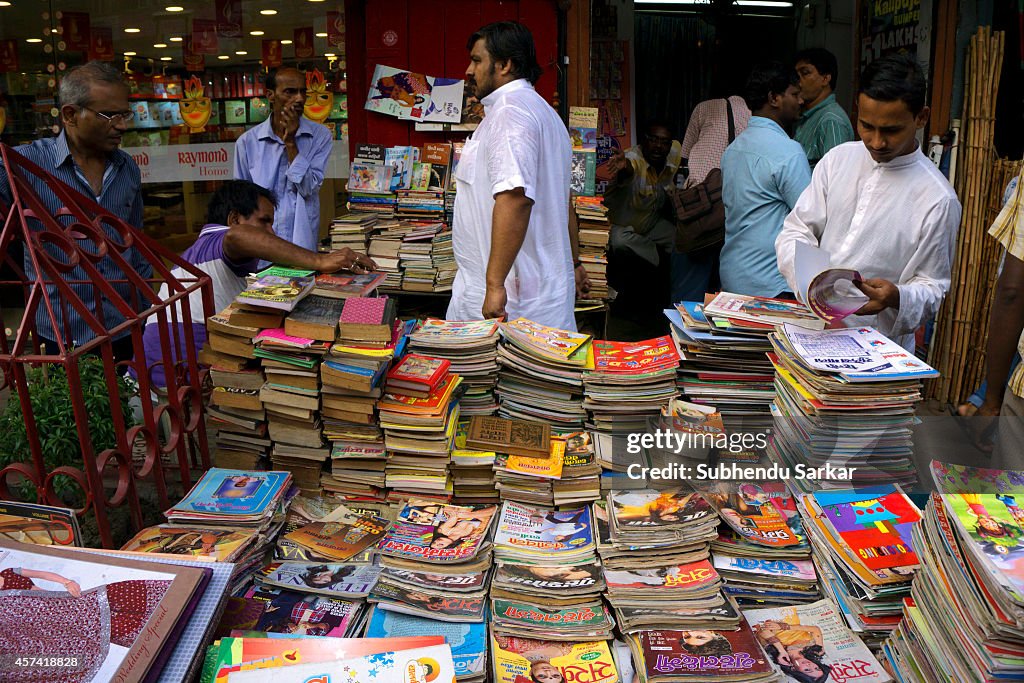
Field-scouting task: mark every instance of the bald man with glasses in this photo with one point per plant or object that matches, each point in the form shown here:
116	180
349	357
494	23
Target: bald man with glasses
94	114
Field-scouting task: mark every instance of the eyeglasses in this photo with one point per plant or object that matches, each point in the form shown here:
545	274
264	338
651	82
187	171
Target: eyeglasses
113	117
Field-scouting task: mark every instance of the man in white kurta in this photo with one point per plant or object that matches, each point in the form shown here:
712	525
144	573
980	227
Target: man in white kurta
881	207
519	154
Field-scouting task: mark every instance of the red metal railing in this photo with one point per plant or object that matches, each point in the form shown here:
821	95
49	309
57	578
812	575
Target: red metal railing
80	235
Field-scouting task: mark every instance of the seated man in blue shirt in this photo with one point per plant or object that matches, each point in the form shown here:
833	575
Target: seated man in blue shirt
94	113
763	173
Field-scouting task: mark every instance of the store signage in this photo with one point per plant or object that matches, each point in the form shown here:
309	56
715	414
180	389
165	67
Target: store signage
229	18
210	161
271	54
101	44
204	37
336	29
75	32
8	55
303	42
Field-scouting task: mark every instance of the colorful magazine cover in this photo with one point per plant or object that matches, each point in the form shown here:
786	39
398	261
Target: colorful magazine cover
546	342
247	654
648	508
445	607
635	357
590	615
985	507
340	540
874	523
858	354
348	285
414	96
703	654
524	660
277	287
418	665
458	583
552	577
764	514
296	613
761	310
695	576
435	532
811	643
221	545
540	468
39	524
234	492
798	570
544	531
337	580
468	640
436	331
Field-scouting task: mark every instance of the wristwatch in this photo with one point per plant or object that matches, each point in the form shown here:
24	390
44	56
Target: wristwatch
576	264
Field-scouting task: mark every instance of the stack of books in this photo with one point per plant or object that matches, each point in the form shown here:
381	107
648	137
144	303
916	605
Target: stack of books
415	260
963	619
472	476
384	246
442	257
594	230
723	367
352	231
472	349
371	182
846	398
541	376
631	384
436	560
863	552
345	285
419	432
581	472
536	549
419	205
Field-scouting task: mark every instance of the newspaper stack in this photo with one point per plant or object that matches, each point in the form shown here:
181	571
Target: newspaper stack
431	552
630	384
547	583
472	349
541	376
966	611
863	553
846	399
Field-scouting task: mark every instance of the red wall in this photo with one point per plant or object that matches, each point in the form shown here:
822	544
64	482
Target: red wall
430	38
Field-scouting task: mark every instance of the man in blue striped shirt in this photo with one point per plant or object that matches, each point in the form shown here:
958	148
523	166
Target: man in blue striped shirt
94	113
824	123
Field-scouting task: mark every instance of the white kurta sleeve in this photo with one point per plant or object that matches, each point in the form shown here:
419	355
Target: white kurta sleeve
513	151
804	223
926	277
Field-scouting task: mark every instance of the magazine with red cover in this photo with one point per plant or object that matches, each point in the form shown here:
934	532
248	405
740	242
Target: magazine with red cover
635	357
417	375
702	655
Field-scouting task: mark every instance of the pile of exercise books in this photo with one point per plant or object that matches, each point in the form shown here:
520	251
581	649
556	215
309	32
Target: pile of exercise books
533	544
419	425
631	383
541	375
353	374
472	349
351	231
436	560
723	367
594	230
846	398
964	620
864	553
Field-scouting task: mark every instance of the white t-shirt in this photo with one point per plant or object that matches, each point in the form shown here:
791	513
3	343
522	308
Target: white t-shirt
895	220
521	142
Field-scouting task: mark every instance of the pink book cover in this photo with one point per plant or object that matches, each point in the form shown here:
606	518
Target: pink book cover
278	336
364	310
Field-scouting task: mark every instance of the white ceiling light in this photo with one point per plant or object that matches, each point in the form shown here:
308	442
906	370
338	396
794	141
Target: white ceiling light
165	59
159	45
286	42
255	33
175	8
133	30
321	35
176	39
223	57
33	40
268	12
241	52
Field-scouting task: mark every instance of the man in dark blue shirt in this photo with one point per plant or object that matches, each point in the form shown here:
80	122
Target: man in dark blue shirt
94	113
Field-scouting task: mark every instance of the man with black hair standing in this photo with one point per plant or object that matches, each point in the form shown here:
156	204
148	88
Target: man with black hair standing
238	234
287	154
824	124
763	174
881	207
510	230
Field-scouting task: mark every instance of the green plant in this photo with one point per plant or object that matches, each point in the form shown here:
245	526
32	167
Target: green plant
55	422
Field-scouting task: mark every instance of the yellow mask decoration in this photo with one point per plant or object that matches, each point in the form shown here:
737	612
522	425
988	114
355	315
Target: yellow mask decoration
318	99
195	106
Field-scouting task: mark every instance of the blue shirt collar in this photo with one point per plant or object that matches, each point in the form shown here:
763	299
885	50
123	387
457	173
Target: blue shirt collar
62	152
767	123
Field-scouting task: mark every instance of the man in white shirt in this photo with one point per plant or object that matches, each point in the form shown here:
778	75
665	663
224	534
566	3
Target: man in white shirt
879	206
510	230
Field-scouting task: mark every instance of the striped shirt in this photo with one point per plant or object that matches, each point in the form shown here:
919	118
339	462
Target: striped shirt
207	254
120	194
822	127
707	135
1008	230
